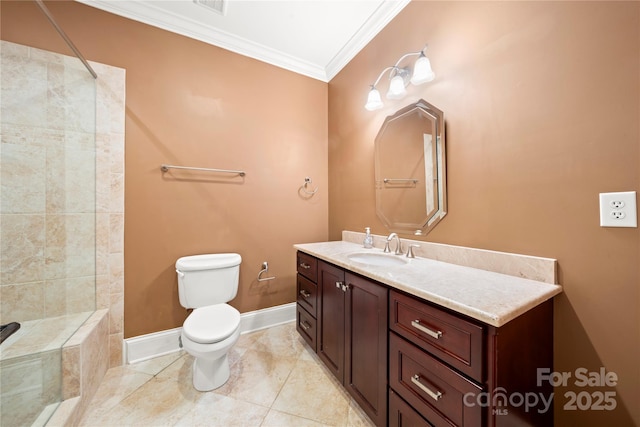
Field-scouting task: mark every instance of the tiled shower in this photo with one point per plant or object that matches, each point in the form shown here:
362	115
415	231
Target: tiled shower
61	229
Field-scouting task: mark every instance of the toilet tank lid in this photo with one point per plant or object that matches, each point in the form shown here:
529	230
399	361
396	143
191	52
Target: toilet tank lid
208	261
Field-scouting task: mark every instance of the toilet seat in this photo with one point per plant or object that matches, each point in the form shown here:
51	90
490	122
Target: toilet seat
210	324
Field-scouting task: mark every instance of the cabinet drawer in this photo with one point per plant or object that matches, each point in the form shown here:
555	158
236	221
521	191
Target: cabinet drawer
307	294
448	337
306	326
431	387
307	266
403	415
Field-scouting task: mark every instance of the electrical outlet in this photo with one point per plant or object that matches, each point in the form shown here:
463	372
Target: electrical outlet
618	209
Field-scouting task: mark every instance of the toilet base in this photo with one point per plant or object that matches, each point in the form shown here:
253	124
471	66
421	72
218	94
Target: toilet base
210	374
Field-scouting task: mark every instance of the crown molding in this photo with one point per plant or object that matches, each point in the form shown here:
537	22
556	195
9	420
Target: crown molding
150	14
378	20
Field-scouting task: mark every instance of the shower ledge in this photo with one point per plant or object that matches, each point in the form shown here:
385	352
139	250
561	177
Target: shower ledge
85	361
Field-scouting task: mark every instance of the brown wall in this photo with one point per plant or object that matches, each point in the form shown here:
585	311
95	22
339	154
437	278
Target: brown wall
190	103
541	103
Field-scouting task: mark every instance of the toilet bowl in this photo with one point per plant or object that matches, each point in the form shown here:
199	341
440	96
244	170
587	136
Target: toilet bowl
206	283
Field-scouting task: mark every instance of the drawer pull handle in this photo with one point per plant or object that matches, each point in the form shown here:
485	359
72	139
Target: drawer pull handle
435	334
305	293
305	265
434	395
305	325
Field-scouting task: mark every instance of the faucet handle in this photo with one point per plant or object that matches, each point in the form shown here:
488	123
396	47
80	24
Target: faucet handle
410	253
386	247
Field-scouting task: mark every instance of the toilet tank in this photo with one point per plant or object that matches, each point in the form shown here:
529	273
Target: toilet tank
208	279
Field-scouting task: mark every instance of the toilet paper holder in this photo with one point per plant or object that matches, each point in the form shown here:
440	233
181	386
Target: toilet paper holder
265	268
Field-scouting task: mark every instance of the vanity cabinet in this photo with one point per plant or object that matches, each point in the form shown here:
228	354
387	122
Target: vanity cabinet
410	362
352	336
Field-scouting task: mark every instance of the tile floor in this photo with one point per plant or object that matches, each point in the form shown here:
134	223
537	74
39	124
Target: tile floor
276	380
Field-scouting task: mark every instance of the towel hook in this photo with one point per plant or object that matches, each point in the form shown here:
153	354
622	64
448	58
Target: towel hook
265	268
308	181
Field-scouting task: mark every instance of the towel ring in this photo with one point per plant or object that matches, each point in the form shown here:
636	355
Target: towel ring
308	181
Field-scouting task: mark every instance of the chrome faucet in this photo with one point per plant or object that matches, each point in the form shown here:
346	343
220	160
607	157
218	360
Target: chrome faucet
398	245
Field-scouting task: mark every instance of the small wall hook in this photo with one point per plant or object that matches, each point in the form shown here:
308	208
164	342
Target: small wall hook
265	268
308	181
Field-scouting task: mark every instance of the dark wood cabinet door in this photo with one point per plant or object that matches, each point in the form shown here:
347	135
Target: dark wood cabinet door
366	345
331	313
403	415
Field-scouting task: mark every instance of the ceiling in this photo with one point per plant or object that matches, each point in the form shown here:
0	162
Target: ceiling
316	38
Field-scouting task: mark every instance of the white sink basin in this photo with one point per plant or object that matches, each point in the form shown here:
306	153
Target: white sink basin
377	259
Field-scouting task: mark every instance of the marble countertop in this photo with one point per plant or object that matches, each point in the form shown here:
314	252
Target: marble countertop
489	297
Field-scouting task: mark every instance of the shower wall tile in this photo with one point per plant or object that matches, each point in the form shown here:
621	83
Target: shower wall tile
44	56
21	302
80	244
103	230
13	50
70	246
24	79
115	320
103	173
117	193
116	273
116	241
117	153
32	136
80	292
56	197
23	166
55	247
80	85
110	120
80	192
55	298
22	248
111	99
103	298
56	96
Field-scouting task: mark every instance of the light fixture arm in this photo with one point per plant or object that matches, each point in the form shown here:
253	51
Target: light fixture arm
406	55
382	74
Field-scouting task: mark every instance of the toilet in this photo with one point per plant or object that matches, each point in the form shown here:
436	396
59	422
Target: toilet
206	283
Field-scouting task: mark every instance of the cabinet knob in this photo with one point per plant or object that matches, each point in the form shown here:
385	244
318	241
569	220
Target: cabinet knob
305	265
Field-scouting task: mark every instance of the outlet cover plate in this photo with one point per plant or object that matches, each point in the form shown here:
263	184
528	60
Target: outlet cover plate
618	209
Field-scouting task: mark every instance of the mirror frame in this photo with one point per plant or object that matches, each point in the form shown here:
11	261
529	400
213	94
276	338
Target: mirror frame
426	224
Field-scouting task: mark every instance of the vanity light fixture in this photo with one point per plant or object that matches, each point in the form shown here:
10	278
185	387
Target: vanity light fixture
400	77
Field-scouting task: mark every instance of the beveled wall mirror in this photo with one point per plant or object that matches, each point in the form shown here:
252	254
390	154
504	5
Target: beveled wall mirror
410	169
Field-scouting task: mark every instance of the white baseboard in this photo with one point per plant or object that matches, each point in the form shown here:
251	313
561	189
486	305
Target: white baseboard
143	347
